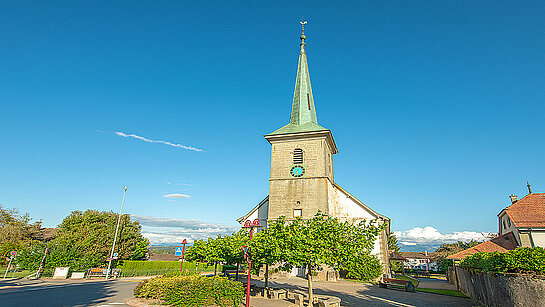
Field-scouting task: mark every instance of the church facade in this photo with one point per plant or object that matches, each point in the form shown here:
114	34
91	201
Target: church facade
302	179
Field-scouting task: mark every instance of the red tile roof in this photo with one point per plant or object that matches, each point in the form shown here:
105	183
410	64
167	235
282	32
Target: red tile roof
500	244
394	255
529	212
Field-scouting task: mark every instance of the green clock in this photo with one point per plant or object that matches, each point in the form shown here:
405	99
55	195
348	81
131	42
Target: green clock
297	171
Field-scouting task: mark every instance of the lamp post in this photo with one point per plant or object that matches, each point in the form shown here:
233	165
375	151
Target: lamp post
248	254
184	242
115	236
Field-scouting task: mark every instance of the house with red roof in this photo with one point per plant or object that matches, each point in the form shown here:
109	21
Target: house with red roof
522	224
525	218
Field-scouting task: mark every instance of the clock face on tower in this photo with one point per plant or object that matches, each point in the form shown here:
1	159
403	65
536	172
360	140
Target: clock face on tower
297	171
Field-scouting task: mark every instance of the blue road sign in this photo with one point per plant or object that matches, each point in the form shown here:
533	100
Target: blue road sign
178	251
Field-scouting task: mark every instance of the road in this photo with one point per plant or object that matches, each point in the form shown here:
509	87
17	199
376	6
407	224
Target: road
57	293
65	293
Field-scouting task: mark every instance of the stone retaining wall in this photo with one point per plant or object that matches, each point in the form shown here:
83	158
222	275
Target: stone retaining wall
502	290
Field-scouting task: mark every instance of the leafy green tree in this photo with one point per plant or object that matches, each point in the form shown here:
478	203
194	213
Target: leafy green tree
231	248
324	240
16	232
447	249
392	242
84	240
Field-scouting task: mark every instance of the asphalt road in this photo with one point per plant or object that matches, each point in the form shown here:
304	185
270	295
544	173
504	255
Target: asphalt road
62	293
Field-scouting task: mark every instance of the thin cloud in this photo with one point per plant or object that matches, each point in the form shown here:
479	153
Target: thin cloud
176	196
134	136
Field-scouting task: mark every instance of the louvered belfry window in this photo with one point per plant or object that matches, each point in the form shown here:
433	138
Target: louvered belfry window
298	156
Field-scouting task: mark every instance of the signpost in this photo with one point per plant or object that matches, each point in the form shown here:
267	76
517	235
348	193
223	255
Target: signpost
248	255
180	251
12	254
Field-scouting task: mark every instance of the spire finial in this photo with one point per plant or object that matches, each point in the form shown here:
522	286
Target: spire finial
303	37
529	188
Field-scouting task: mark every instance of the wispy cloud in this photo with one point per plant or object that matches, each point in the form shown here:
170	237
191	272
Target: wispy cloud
419	239
166	230
134	136
176	196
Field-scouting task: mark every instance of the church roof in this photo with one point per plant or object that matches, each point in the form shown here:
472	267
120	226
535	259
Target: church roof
245	217
303	114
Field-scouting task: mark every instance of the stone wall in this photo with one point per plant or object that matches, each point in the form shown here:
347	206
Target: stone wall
502	290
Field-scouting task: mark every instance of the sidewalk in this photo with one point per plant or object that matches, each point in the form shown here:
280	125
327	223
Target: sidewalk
432	283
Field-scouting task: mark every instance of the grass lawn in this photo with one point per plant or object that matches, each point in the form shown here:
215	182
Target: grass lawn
407	278
17	274
444	292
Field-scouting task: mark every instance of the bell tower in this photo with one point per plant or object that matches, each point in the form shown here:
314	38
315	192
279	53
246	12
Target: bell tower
301	155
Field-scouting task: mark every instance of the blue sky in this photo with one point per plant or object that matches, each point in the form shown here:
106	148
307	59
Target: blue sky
436	107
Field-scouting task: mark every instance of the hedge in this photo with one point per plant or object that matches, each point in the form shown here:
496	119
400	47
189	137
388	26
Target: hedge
192	290
520	260
149	268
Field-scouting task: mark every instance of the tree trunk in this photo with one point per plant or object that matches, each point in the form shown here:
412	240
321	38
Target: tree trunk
236	278
310	294
267	279
215	268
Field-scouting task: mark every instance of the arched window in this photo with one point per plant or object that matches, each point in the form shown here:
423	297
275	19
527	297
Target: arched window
297	156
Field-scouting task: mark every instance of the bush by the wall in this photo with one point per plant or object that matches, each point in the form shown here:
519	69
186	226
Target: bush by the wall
520	260
192	290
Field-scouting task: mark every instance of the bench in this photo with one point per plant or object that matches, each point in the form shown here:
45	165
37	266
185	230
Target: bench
278	294
329	302
299	299
384	282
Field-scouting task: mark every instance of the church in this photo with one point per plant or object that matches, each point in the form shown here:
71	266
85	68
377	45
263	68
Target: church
302	181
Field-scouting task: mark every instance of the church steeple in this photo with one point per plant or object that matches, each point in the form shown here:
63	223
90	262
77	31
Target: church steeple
303	114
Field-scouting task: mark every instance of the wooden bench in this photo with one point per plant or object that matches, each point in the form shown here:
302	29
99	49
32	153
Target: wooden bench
384	282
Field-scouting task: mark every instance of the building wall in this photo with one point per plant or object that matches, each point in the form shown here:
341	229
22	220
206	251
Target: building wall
309	192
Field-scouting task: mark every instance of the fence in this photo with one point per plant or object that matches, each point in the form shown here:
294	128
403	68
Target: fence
502	289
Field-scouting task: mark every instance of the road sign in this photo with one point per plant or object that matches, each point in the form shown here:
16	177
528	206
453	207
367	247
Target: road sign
245	251
115	254
13	253
178	251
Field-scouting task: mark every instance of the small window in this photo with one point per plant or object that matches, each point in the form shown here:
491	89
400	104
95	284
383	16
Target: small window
297	156
509	222
504	227
297	212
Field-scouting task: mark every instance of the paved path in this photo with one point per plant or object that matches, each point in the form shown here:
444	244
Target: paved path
359	294
434	283
58	293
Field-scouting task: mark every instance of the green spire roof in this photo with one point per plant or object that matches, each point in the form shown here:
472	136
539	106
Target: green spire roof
303	114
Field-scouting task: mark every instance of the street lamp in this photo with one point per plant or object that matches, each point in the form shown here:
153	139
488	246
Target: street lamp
115	236
248	255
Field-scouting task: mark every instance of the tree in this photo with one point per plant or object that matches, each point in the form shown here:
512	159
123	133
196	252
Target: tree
84	240
16	232
447	249
231	248
392	242
324	240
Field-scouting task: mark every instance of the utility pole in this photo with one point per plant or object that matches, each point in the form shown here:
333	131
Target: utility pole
115	236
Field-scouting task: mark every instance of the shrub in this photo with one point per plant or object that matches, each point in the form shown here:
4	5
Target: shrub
148	268
192	290
520	260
